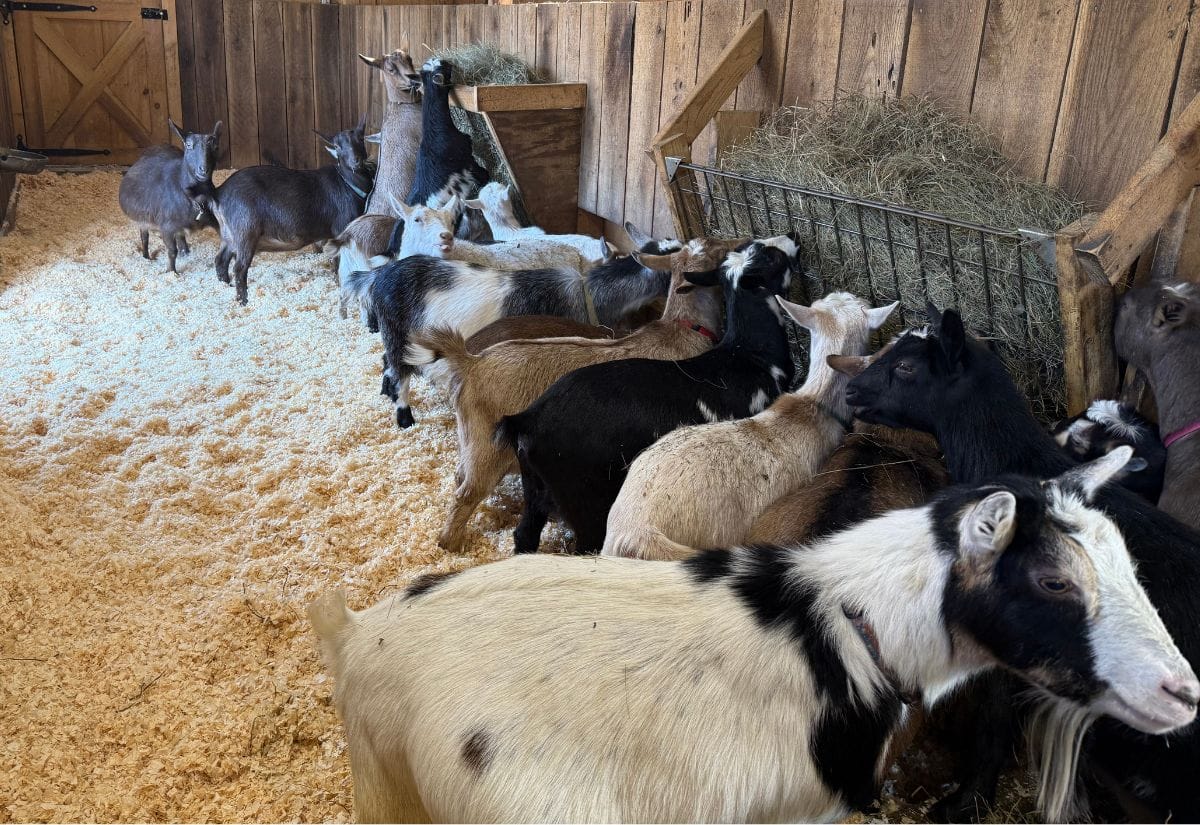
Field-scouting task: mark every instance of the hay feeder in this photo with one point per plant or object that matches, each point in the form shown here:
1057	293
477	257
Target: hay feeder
995	277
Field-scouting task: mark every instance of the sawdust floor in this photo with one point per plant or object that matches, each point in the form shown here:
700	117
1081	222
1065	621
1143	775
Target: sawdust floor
179	476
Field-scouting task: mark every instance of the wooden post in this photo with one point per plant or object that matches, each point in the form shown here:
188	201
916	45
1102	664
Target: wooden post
1089	359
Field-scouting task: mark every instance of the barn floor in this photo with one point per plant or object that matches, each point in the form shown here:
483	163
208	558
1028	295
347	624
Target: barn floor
179	477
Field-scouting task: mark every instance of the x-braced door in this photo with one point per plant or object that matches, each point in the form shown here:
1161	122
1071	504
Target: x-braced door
95	85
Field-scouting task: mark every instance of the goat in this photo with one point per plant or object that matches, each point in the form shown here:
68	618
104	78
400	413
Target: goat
1106	425
1157	331
399	134
942	381
495	202
703	486
279	209
510	376
745	685
874	471
446	164
534	327
576	442
160	190
422	293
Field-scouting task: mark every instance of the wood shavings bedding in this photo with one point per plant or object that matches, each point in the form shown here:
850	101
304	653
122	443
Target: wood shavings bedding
179	477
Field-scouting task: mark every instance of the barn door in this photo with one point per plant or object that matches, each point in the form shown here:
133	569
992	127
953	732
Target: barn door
94	77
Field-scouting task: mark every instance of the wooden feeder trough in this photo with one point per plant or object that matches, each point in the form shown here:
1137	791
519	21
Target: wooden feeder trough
537	131
1085	264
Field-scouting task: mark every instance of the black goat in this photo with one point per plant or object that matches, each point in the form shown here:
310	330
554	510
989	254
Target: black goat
446	164
165	188
943	381
281	210
1106	425
576	442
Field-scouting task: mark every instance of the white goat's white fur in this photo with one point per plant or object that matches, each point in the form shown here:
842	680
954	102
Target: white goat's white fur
704	485
546	688
495	201
1108	414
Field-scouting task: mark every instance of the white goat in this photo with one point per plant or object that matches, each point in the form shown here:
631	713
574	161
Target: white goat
704	485
758	684
495	202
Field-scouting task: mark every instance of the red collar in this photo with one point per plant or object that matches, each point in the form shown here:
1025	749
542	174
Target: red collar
1182	433
700	328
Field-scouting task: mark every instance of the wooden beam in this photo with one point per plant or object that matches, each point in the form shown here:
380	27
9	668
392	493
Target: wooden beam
1090	360
1128	225
708	95
520	98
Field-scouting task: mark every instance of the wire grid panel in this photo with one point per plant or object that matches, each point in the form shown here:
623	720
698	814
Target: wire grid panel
996	278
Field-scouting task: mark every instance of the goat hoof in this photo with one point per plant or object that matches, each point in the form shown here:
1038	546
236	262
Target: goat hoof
404	417
959	807
388	388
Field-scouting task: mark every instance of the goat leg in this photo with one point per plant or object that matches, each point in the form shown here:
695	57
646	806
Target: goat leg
144	235
172	250
223	257
182	242
528	533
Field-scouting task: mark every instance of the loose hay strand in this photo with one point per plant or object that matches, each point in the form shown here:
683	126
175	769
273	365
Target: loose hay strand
482	64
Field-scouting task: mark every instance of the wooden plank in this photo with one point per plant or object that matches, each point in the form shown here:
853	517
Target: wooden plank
641	177
1090	361
871	59
569	19
240	86
209	71
328	66
303	148
547	40
269	81
1139	210
762	89
943	51
592	33
814	41
186	64
720	23
542	149
680	59
170	40
1117	93
11	82
516	98
526	15
1022	59
614	116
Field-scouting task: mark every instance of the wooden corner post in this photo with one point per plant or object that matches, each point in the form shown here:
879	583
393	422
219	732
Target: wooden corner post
676	136
1086	300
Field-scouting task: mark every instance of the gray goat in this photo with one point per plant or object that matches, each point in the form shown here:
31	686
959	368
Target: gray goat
164	189
400	132
282	210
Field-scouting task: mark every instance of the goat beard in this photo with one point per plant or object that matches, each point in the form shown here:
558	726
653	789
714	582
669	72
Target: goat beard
1055	738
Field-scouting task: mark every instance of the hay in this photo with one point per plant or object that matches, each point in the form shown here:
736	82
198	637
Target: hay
179	476
910	153
482	64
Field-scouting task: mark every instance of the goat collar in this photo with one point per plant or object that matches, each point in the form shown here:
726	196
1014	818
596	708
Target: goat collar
1182	433
700	328
866	632
354	187
588	301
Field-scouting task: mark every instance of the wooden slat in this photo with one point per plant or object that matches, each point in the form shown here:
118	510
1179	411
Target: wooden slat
1090	362
269	82
871	59
209	70
814	40
592	44
12	83
187	64
943	51
763	87
513	98
720	24
547	40
569	19
328	65
170	41
301	118
1117	93
527	33
680	58
1022	59
649	44
614	118
240	87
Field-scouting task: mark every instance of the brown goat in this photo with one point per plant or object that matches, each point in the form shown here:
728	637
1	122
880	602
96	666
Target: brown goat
532	327
876	469
400	132
508	377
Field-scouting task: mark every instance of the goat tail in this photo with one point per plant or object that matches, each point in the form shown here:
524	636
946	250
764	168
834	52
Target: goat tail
331	618
356	288
509	431
644	542
1056	737
441	344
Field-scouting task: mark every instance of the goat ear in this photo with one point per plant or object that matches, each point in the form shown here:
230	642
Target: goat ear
953	338
804	316
851	365
332	150
328	140
658	263
175	130
710	278
636	235
454	205
1087	479
1171	310
373	62
402	209
473	203
376	138
216	130
877	316
607	250
932	314
987	529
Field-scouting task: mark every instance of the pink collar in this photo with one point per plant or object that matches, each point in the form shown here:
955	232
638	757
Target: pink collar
700	328
1182	433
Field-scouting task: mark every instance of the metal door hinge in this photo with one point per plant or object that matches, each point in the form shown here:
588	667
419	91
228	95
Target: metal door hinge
7	7
154	14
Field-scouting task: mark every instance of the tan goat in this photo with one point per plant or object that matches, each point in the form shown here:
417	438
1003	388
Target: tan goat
703	486
508	377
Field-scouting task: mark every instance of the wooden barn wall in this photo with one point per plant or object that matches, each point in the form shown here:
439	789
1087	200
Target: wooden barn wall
8	136
1075	91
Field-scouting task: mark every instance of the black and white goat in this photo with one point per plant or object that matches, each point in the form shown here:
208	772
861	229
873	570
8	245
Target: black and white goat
278	209
943	381
1108	424
756	684
421	293
576	442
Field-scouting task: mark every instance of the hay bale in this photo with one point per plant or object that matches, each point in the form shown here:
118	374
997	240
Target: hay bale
910	153
482	64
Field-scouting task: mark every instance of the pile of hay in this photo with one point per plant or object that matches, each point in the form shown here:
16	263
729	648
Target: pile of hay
910	153
482	64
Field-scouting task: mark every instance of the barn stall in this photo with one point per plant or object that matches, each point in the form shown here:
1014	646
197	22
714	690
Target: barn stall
181	476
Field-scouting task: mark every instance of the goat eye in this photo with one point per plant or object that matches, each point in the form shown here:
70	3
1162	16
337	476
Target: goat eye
1055	585
904	368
